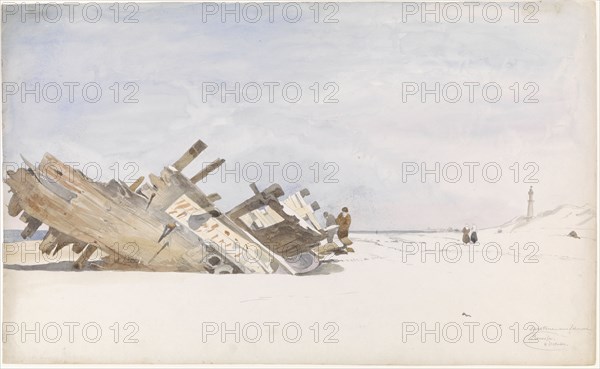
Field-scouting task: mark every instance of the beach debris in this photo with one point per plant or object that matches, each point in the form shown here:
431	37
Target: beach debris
266	233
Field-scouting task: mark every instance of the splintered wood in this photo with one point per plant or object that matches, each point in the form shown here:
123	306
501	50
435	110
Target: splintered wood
165	224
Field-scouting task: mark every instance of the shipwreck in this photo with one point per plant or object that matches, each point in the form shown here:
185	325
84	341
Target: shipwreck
165	222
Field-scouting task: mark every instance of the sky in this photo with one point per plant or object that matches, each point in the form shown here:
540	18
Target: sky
360	149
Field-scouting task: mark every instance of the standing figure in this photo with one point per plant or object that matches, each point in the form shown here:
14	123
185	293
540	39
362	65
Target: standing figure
474	234
329	221
466	238
343	220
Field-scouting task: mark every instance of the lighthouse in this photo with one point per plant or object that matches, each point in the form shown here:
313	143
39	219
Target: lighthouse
530	203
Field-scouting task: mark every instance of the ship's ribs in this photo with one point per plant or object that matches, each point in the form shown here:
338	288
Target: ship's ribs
164	223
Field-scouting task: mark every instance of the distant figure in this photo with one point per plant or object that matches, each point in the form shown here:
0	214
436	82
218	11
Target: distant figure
343	220
466	238
474	234
329	221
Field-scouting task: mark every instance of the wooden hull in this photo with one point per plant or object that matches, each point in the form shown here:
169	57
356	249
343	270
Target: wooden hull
164	224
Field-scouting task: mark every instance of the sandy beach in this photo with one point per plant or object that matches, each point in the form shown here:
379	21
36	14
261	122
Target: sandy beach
524	289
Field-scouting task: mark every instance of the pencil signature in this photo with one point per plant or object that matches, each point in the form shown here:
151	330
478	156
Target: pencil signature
552	338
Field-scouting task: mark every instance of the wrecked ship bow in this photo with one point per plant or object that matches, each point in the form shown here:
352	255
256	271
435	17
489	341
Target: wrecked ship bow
166	223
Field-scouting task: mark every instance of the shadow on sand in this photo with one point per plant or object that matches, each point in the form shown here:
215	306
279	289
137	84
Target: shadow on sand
327	267
61	266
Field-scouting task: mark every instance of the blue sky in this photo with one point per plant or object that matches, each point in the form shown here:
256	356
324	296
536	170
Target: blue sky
369	53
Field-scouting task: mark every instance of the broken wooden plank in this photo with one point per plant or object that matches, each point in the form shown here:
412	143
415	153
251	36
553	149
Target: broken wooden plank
207	170
49	241
78	247
14	207
62	241
85	256
32	226
134	186
190	155
260	199
157	182
214	197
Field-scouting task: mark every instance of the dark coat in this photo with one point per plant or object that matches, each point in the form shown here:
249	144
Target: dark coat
344	223
474	237
330	220
466	238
